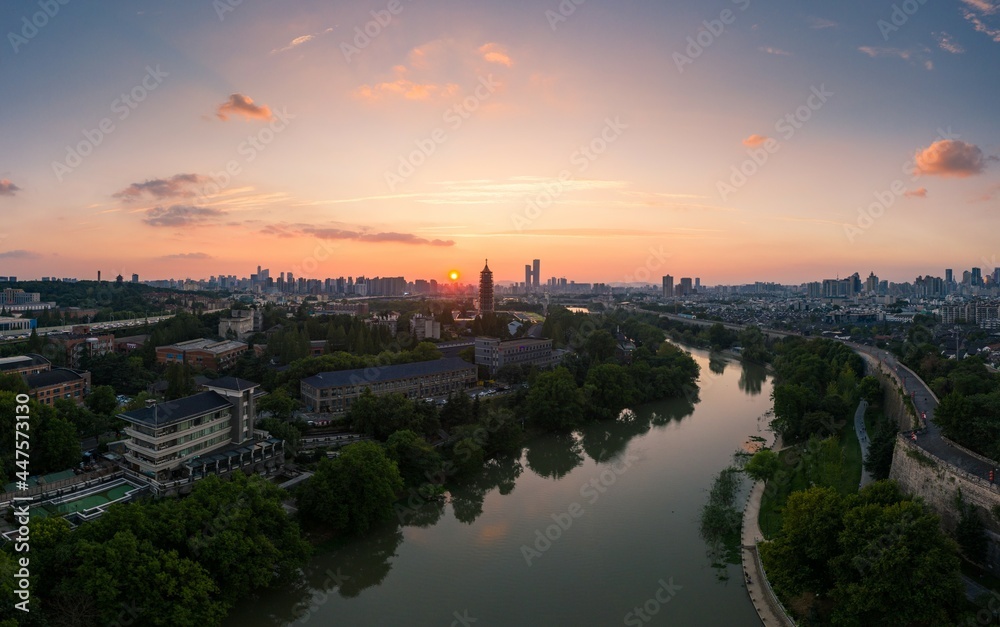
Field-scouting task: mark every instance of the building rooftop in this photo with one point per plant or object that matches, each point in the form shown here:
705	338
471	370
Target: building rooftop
386	373
231	383
163	414
55	376
205	344
22	361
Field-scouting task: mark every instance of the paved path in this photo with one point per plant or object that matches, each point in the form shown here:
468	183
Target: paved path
859	428
753	575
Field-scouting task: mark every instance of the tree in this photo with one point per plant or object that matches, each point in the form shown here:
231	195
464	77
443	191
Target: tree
600	345
608	390
102	400
970	531
763	465
15	383
180	381
554	401
278	403
871	390
418	461
352	492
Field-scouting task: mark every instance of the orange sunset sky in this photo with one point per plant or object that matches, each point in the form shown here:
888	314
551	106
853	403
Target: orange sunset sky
607	141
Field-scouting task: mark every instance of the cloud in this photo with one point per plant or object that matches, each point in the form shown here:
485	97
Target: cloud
495	53
820	23
177	186
19	254
298	41
950	158
183	256
375	238
946	43
240	104
920	192
7	188
886	52
299	230
754	140
984	6
777	51
179	215
407	89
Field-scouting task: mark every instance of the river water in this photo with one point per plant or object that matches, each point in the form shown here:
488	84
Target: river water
595	529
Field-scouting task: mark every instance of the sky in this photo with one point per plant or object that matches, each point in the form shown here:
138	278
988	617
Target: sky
617	141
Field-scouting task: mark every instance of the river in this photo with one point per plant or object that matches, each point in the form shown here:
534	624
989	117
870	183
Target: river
581	530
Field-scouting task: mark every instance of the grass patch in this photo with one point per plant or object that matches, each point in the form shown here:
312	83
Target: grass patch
839	468
921	458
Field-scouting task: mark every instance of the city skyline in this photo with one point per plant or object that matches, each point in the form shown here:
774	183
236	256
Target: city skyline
714	141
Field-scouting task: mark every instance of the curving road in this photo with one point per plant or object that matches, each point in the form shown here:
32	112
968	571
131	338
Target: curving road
929	438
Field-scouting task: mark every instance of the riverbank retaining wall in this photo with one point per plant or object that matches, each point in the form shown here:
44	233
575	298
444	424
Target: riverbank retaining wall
921	474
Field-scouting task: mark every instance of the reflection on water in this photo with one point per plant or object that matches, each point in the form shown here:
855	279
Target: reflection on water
464	551
752	377
717	363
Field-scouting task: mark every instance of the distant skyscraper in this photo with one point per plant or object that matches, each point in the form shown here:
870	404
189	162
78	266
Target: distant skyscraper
486	289
977	277
686	287
668	286
949	275
527	278
697	284
135	278
536	273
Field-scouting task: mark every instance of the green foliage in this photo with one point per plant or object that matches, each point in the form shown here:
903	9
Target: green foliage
417	460
554	402
882	443
883	560
381	416
171	562
970	531
180	381
278	404
609	388
14	383
721	519
102	400
353	492
763	465
287	431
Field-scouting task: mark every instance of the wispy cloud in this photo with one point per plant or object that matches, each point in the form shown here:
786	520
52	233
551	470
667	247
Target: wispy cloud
820	23
754	140
777	51
358	235
19	254
947	43
298	41
179	215
243	105
177	186
495	53
920	192
7	188
186	256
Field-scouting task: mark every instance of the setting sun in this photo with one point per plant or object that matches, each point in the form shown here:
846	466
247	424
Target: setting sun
453	275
